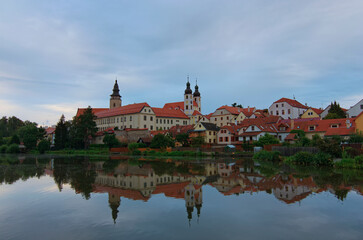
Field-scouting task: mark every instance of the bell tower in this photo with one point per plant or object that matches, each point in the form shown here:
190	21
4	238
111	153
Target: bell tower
196	97
115	100
188	100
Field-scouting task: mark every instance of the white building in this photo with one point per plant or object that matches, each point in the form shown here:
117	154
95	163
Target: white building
355	110
287	108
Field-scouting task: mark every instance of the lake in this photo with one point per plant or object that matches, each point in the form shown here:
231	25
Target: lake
45	197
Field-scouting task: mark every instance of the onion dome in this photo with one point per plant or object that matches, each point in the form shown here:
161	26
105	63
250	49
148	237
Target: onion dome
196	92
116	90
188	90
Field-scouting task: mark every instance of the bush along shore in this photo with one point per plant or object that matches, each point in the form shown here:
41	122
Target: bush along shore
319	159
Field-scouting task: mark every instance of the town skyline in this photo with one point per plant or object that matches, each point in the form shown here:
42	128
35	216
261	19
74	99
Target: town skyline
61	56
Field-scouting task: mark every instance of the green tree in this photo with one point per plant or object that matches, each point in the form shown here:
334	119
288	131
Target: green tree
83	129
266	140
162	141
236	105
356	138
43	146
183	138
110	140
197	141
14	139
335	111
30	134
61	134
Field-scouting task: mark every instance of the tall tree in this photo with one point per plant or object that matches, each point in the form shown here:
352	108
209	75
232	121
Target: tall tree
83	129
30	135
335	111
61	134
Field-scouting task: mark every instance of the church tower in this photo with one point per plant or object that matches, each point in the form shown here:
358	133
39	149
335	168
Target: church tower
115	100
196	97
188	100
114	202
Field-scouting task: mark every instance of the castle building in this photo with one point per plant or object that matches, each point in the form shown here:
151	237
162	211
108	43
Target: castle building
143	116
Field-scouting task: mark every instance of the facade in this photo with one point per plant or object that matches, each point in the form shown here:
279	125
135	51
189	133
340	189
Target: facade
207	130
226	115
287	108
312	113
228	135
359	123
355	110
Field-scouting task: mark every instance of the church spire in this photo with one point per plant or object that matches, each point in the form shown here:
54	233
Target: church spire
188	90
196	92
116	90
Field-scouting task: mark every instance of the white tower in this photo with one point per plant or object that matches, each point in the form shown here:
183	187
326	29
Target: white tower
188	100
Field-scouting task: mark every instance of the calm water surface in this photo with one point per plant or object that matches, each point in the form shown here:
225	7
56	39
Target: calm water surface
130	198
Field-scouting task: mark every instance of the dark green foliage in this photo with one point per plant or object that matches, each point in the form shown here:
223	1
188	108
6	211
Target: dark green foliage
247	146
300	133
183	138
83	129
267	156
9	126
330	146
306	159
236	105
30	134
351	152
14	139
356	138
133	146
110	140
266	140
43	146
3	148
142	145
303	142
136	152
13	148
197	141
162	141
61	140
335	111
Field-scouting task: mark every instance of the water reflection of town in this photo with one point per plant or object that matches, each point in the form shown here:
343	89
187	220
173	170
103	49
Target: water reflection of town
140	180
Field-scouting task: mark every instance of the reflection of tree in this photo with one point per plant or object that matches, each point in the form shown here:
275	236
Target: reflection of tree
60	175
82	180
11	174
341	194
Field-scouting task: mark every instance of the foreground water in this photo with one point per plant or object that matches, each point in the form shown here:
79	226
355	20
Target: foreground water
93	198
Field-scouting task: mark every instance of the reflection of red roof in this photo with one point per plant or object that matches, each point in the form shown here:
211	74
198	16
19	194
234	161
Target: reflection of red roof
127	193
169	113
175	190
127	109
292	103
80	111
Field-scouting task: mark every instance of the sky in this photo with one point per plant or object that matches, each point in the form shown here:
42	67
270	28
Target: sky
57	56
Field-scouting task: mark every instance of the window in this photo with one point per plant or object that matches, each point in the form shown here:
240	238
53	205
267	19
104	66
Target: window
144	110
186	107
144	118
253	128
186	96
145	185
144	126
283	112
130	126
151	127
168	121
164	121
210	140
361	106
334	125
277	113
220	139
227	118
272	113
282	105
171	121
226	139
221	118
288	111
277	105
151	118
311	128
210	133
130	118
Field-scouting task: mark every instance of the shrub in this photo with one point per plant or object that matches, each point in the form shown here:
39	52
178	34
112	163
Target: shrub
110	140
302	158
267	156
322	159
266	140
351	152
142	145
13	148
3	148
136	152
133	146
43	146
359	159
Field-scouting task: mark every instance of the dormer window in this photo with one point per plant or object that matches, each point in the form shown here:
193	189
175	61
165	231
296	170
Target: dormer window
311	128
253	128
334	126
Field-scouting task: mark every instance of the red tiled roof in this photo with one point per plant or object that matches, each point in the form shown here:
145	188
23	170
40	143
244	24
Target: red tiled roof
169	113
291	136
250	134
127	109
292	103
233	129
50	130
175	130
154	133
340	131
238	110
174	105
209	116
80	111
196	113
317	110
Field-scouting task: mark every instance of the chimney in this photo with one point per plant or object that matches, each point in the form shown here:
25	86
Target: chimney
248	108
292	125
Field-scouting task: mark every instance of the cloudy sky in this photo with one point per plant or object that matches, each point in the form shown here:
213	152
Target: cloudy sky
56	56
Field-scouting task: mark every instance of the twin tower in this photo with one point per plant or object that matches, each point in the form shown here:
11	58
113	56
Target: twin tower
192	101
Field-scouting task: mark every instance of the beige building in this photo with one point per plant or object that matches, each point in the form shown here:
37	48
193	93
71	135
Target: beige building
226	115
312	113
207	130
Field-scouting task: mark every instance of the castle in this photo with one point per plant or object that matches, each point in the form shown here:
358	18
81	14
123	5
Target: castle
143	116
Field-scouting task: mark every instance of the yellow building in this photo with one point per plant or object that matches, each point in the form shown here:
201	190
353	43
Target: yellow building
208	131
312	113
359	123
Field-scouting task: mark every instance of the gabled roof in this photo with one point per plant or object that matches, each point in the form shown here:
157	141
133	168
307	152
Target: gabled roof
196	113
292	103
169	113
127	109
208	116
210	126
233	129
80	111
175	130
238	110
50	130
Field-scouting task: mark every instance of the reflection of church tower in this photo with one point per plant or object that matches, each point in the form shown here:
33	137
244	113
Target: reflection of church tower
189	200
114	203
115	100
198	201
188	100
196	96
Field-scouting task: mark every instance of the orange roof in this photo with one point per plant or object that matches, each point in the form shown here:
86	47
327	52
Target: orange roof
317	110
238	110
80	111
50	130
292	103
175	190
174	130
291	136
209	116
196	113
174	105
127	109
169	113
